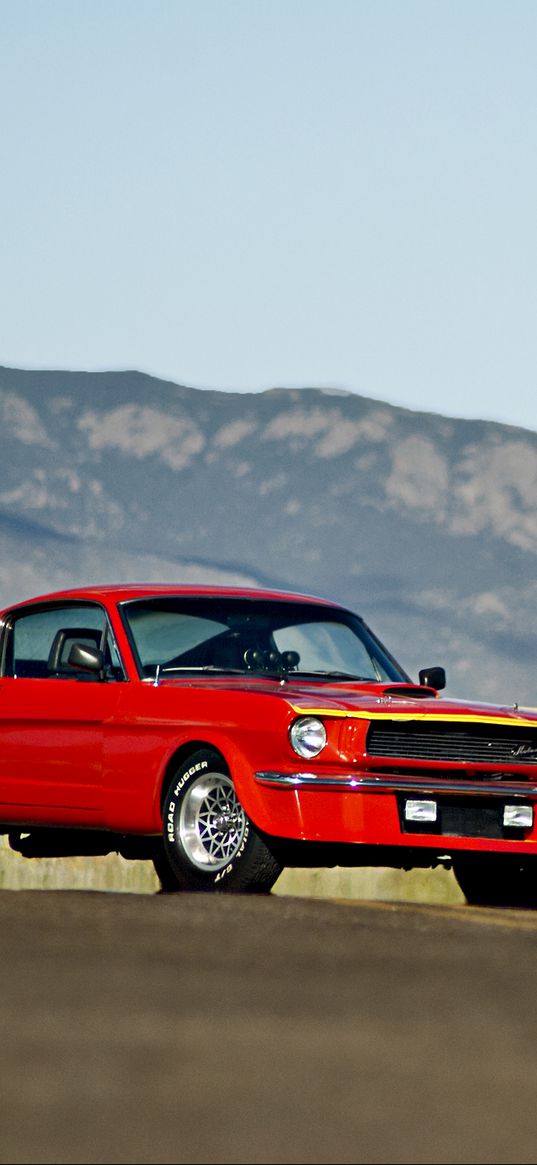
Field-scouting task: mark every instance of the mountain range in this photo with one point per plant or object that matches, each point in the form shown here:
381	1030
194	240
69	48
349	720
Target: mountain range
426	525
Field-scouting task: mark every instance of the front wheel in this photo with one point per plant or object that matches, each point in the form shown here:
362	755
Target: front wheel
498	880
208	841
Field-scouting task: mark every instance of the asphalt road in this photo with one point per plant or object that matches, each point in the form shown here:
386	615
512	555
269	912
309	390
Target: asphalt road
233	1029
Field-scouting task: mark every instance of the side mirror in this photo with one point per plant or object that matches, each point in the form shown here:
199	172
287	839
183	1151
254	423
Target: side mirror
433	677
84	658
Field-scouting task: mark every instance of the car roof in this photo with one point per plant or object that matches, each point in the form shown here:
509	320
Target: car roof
123	592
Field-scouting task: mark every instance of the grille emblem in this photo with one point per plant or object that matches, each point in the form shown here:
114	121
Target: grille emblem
526	750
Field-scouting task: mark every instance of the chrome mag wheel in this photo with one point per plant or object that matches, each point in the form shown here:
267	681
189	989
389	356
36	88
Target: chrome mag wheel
212	823
208	841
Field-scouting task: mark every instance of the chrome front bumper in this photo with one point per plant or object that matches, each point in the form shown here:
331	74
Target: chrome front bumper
353	782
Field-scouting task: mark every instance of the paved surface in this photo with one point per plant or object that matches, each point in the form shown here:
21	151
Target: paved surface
230	1029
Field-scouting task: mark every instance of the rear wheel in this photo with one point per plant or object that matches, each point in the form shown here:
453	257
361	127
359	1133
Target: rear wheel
209	843
498	880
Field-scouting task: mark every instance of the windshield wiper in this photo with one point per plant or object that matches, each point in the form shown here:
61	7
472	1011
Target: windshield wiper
269	673
340	675
232	671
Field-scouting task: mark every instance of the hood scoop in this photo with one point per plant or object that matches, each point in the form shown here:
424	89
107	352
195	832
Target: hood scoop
411	691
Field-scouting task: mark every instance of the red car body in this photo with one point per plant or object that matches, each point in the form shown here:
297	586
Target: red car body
86	766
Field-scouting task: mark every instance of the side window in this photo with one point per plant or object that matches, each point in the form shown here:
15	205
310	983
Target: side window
39	642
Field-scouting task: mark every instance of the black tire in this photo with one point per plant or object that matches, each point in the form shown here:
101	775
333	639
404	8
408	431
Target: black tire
209	844
498	880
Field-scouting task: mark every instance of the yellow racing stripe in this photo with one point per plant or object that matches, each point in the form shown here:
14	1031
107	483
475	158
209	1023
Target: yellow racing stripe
451	717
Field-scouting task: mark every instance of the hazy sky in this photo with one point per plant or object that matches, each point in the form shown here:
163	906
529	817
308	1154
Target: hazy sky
250	193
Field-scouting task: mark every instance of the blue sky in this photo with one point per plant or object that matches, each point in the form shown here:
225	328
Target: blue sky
249	193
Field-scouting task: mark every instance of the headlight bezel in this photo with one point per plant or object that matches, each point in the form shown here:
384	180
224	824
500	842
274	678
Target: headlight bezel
299	731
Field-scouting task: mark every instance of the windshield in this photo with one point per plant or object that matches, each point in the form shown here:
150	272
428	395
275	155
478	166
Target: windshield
241	636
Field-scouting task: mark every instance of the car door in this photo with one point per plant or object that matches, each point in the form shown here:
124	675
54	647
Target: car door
52	717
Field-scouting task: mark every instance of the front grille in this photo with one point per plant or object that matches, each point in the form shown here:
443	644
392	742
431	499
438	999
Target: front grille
489	744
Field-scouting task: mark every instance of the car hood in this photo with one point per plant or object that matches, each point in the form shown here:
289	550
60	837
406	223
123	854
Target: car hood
397	701
401	702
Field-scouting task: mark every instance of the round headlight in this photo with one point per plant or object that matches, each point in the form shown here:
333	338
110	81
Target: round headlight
308	736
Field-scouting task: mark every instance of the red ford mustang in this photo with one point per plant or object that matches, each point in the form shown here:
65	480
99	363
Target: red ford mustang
225	733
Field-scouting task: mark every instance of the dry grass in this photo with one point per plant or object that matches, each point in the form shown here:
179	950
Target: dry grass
117	874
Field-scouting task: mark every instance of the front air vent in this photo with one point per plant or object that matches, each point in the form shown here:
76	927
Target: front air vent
410	690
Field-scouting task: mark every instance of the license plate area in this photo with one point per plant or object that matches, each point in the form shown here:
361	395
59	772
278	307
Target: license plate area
459	817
